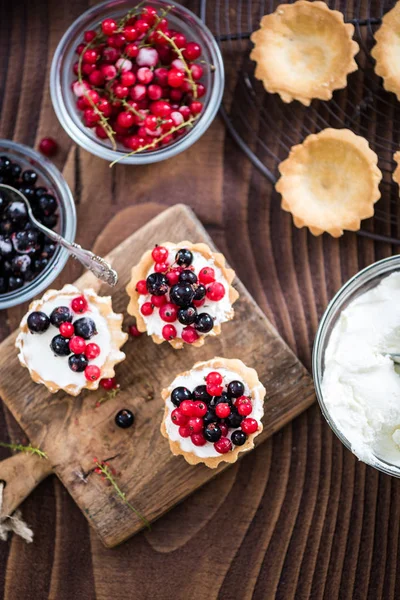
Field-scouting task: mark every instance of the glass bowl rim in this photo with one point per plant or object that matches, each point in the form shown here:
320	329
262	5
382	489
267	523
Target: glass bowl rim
60	257
377	269
79	135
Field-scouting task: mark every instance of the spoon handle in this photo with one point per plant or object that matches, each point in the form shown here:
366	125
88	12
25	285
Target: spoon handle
97	265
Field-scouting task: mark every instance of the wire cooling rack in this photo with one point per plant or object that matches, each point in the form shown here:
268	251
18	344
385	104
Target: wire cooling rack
266	128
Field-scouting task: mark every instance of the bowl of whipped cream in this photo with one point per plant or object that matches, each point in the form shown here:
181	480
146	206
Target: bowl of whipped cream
355	374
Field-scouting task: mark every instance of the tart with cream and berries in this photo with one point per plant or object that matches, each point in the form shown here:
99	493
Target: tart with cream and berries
69	340
181	293
213	412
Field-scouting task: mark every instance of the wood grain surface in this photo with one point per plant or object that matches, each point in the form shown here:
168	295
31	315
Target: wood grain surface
299	517
72	431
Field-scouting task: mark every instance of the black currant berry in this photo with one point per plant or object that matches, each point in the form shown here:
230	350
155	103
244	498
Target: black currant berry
200	393
187	316
210	417
204	323
234	419
182	294
16	211
38	322
29	177
85	328
184	257
125	418
200	292
60	346
61	314
14	283
157	284
48	204
188	276
235	389
180	394
212	432
238	437
78	362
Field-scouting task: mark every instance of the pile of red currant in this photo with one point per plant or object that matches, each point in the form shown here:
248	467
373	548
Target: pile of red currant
213	411
137	80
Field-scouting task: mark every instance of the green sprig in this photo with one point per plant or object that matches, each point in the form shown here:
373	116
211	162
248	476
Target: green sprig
105	470
20	448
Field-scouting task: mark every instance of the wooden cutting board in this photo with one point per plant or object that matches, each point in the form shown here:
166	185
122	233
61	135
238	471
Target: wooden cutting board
72	431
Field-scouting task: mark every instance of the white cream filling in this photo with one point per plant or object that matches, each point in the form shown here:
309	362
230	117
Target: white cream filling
361	384
195	378
220	311
38	356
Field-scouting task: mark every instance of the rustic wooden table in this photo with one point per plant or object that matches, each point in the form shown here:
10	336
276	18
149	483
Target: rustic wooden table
299	517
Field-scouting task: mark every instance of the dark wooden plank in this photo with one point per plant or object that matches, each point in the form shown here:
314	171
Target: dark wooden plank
153	479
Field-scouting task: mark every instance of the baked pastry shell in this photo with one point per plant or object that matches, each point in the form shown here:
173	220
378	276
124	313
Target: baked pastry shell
114	322
349	166
291	25
246	374
386	50
141	270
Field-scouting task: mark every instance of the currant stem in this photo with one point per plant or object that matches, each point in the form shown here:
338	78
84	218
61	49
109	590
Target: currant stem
188	123
108	475
20	448
182	58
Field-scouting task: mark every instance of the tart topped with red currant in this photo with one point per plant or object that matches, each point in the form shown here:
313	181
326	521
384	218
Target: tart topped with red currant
213	412
181	293
70	340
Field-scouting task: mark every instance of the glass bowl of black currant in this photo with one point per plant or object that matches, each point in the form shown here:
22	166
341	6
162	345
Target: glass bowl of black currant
29	261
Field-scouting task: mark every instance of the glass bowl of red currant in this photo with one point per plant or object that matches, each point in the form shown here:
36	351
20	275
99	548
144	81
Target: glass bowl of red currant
29	261
137	84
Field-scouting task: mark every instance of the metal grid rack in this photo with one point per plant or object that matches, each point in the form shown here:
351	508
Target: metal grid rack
266	128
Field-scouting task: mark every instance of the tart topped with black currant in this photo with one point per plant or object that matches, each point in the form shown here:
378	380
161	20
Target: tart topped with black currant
70	340
181	293
213	412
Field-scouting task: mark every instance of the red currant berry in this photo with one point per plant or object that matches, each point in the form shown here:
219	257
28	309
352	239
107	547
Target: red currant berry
159	254
245	407
151	123
48	146
223	445
138	92
201	90
198	439
176	95
214	378
216	291
147	309
80	48
154	92
89	35
104	106
149	14
189	335
160	109
201	408
134	331
90	56
67	330
158	301
173	276
108	384
145	75
110	55
249	425
160	267
109	72
92	351
87	68
92	373
125	119
141	287
222	410
195	424
161	76
192	51
96	78
197	71
214	389
224	429
207	275
169	332
77	345
108	26
169	312
116	41
184	431
178	417
142	26
131	50
196	108
185	112
79	304
128	78
179	40
188	408
176	78
131	33
121	91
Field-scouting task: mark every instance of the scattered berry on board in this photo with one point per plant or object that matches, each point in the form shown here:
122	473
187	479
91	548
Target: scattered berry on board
137	81
205	417
124	418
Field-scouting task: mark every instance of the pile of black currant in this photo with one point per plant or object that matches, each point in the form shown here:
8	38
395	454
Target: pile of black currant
24	251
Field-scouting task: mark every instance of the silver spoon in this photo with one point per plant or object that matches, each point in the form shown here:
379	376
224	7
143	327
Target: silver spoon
97	265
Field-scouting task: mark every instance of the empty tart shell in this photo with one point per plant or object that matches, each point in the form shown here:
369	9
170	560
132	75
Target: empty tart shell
386	50
114	326
330	182
246	375
303	51
141	270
